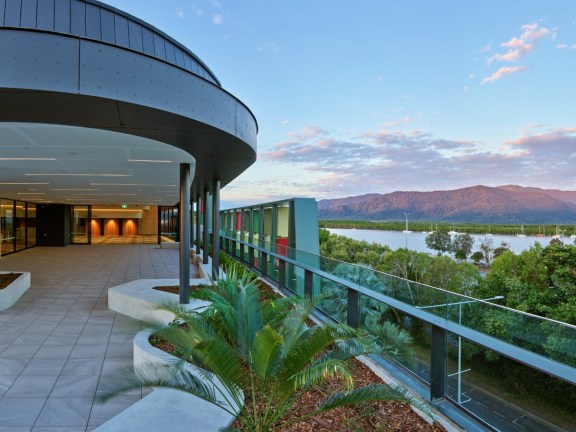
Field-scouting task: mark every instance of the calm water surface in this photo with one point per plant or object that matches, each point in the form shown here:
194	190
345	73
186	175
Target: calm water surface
416	240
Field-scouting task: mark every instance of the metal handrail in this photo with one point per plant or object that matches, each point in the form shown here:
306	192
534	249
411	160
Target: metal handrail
522	355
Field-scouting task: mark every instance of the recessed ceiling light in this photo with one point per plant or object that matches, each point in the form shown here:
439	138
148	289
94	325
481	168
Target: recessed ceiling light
28	159
24	183
149	161
82	175
75	189
130	184
31	193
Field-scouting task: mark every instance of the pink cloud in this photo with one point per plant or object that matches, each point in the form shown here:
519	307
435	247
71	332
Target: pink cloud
307	132
522	45
503	71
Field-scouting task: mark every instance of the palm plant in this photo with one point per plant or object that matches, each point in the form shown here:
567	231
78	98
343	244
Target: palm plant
261	358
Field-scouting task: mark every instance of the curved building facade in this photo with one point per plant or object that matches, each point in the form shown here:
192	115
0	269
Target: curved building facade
99	107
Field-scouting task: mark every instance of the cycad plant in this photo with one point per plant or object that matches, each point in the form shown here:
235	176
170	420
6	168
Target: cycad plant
262	357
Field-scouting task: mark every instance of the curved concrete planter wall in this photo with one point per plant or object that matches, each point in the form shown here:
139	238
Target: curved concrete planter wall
11	294
166	409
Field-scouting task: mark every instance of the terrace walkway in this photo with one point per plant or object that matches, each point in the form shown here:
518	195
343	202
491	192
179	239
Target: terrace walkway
60	345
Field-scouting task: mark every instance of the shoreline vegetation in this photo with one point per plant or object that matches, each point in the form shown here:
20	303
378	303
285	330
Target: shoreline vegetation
461	227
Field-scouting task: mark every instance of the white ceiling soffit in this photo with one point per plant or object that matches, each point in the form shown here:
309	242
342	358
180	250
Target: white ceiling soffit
72	165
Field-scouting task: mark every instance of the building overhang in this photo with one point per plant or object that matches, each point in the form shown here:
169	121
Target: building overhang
115	105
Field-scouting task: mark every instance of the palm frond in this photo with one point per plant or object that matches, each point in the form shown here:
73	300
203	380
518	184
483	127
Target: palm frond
266	352
311	376
370	393
248	317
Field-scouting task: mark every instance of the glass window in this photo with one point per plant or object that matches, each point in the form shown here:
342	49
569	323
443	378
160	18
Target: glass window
31	225
7	226
80	224
20	226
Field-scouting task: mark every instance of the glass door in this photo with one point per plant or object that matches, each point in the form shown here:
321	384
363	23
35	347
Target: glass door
81	232
6	226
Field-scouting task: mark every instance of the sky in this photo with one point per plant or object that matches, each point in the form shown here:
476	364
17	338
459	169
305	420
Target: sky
375	96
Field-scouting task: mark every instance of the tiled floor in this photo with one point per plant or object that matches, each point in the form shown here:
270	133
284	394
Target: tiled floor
60	345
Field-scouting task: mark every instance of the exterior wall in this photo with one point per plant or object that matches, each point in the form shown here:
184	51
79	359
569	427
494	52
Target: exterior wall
148	225
301	229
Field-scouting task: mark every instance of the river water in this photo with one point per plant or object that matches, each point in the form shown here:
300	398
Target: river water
416	240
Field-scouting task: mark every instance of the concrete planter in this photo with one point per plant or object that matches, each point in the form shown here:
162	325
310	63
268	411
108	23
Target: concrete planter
165	409
11	294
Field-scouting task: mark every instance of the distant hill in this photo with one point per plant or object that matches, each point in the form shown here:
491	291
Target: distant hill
503	204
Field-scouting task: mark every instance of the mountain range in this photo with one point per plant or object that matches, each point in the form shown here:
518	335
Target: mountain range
483	204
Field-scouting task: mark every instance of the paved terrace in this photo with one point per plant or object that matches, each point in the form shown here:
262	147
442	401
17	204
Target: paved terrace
60	345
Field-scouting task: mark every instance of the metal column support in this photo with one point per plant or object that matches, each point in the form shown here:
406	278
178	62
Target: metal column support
205	228
308	285
353	308
199	202
282	274
264	264
216	229
251	236
438	364
274	234
184	215
260	233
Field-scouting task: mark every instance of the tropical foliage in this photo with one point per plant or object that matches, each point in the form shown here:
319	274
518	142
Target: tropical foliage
257	359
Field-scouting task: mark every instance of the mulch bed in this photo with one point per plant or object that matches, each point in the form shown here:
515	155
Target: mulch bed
386	416
174	289
7	278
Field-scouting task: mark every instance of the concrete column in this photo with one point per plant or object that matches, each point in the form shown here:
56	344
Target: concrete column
184	218
215	229
192	226
199	201
205	228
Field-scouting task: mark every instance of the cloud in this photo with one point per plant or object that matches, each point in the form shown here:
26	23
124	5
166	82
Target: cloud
562	46
503	71
308	132
466	89
180	12
380	78
403	120
329	166
284	122
270	46
518	47
217	19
